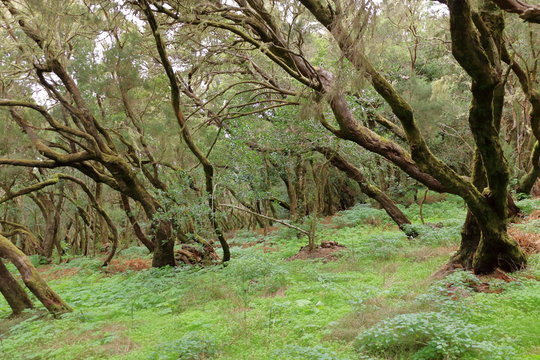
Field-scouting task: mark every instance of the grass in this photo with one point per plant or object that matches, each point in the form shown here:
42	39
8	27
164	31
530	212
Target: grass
262	306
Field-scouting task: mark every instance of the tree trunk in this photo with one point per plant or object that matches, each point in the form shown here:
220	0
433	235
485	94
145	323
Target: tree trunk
497	250
163	244
369	189
526	183
31	278
139	233
13	292
470	238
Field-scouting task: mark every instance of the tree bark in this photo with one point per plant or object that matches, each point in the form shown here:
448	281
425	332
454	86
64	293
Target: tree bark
139	233
526	183
32	279
13	292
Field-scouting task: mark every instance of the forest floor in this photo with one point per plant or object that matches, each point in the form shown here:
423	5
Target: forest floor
373	299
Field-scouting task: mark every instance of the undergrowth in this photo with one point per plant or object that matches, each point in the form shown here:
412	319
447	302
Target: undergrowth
376	301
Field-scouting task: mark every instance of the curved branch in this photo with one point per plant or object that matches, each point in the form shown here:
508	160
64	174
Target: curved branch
527	12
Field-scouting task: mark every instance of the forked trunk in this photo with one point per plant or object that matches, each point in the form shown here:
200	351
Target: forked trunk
487	246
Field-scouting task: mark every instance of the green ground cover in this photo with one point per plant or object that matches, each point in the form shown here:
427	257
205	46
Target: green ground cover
375	301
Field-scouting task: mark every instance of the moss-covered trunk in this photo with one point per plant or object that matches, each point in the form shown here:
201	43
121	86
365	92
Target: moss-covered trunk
497	249
13	292
31	278
163	244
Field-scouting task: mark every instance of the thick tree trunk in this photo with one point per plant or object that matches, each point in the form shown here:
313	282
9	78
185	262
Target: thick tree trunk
13	292
31	278
497	249
469	255
470	238
163	244
184	127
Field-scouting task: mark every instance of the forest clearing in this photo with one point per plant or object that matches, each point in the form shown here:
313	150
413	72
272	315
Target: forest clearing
270	179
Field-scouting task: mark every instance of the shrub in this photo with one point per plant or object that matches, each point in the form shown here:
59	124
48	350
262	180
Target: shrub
360	214
430	336
256	271
37	260
436	235
134	252
446	332
383	246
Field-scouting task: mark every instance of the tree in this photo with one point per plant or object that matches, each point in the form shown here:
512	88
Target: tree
476	43
32	280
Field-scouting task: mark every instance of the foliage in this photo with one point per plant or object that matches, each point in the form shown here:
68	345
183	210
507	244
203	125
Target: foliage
446	332
431	336
262	306
361	214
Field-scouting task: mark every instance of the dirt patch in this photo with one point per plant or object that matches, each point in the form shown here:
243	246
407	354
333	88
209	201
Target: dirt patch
266	231
529	242
50	273
113	338
327	220
456	292
120	265
326	250
498	274
245	245
7	323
